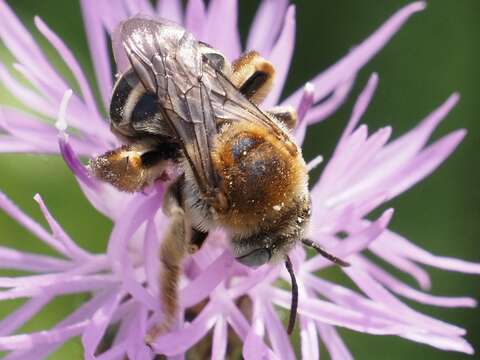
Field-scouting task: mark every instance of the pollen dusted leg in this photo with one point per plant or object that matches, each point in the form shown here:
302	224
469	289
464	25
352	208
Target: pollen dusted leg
133	166
287	115
253	76
172	251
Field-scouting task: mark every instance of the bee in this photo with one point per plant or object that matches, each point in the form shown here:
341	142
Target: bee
182	102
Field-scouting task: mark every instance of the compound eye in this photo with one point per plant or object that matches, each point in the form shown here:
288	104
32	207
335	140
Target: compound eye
256	258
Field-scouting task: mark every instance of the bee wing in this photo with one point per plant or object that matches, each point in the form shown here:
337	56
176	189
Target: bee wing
166	59
231	105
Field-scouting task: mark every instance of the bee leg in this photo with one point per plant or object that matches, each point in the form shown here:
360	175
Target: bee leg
134	166
285	114
172	251
253	76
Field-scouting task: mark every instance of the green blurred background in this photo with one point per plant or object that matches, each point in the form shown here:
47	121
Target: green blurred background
436	53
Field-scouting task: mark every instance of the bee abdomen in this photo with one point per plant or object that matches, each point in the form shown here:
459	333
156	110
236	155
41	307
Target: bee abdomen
258	174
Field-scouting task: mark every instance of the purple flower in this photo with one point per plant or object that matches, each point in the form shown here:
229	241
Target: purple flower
217	293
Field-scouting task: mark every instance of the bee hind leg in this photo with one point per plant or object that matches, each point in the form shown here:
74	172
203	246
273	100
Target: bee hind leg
253	76
134	166
172	251
287	115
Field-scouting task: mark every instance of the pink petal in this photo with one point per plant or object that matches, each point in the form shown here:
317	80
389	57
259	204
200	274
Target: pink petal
195	18
58	232
171	10
202	286
333	342
25	95
28	341
24	48
176	342
139	6
22	314
400	288
304	106
75	68
20	260
97	326
408	267
97	43
266	25
350	64
309	339
338	315
281	57
138	211
326	108
404	148
18	215
376	292
408	249
81	314
355	243
425	163
222	14
277	334
359	109
73	285
219	341
441	342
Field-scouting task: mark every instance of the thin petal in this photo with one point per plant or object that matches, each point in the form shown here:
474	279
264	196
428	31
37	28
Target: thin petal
195	18
277	335
360	107
309	339
28	341
21	260
406	291
333	342
137	212
100	320
21	315
98	45
414	252
171	10
376	292
207	281
24	48
266	25
407	146
425	163
179	341
281	56
350	64
221	29
74	67
219	341
353	244
326	108
28	223
59	233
